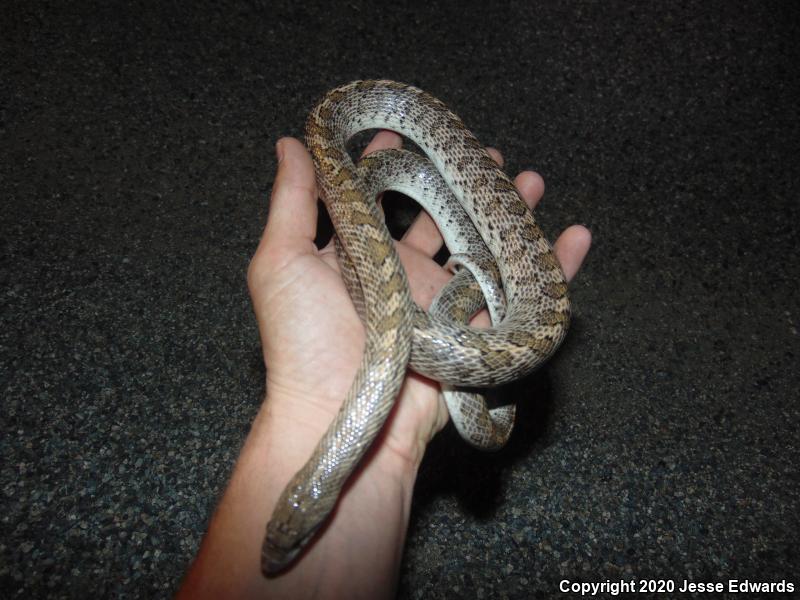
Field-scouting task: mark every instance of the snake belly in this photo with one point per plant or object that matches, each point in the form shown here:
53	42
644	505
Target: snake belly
398	334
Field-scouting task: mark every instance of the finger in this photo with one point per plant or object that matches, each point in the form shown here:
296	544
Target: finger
481	319
571	249
292	219
496	156
425	277
383	140
423	235
530	186
572	246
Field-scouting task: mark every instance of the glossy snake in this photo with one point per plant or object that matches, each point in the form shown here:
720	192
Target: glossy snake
499	256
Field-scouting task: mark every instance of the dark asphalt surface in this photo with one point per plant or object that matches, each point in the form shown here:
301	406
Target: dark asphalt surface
136	159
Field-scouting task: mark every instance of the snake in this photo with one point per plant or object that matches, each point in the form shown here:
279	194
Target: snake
500	258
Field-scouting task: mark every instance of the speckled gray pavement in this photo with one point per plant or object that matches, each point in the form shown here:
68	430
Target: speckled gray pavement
136	159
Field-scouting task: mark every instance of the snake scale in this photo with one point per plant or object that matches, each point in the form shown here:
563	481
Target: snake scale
499	256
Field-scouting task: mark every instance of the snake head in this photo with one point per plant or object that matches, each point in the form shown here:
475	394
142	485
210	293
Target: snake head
288	532
279	549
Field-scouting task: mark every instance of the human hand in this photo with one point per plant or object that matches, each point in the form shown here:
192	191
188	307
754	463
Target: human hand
312	337
313	341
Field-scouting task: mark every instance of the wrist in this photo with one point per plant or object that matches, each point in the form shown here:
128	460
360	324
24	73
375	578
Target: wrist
371	517
292	424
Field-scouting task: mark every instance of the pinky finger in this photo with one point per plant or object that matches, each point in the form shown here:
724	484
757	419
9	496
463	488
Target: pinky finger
571	249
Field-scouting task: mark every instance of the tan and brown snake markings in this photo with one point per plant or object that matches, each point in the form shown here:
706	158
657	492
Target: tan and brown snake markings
499	256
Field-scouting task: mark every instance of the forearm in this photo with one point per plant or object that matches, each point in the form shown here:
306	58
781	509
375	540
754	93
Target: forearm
357	555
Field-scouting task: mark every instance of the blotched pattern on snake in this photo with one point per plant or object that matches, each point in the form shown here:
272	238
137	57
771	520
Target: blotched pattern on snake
499	256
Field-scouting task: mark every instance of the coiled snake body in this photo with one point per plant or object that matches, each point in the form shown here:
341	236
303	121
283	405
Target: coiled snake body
499	256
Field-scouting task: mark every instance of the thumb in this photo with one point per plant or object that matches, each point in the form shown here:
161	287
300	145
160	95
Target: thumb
292	219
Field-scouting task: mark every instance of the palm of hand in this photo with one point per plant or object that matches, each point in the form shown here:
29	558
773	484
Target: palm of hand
313	338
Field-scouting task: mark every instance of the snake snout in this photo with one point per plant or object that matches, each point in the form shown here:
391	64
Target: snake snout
281	546
276	554
275	559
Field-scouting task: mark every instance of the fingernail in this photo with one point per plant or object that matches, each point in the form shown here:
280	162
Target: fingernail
279	150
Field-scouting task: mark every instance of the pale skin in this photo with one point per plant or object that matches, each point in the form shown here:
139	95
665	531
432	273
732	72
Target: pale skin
312	341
